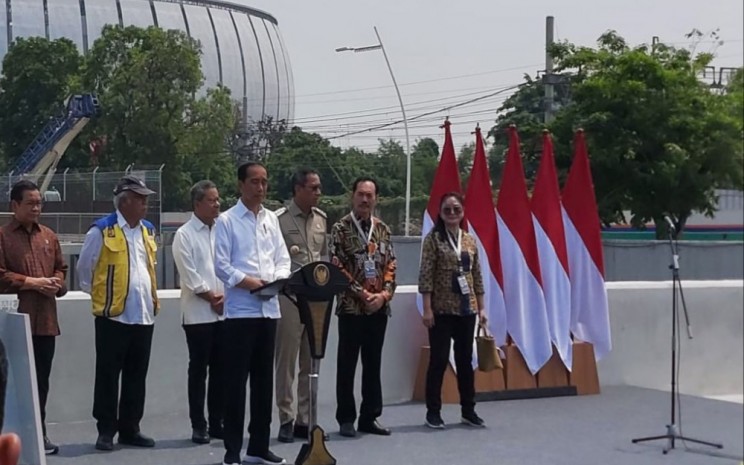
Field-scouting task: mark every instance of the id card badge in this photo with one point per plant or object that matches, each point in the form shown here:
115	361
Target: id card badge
370	272
463	283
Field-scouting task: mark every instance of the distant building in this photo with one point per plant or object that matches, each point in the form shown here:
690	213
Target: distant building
241	46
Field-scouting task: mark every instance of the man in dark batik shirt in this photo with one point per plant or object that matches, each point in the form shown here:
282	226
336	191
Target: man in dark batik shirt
361	246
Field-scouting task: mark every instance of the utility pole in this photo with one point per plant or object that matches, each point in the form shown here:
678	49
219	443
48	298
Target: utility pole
548	78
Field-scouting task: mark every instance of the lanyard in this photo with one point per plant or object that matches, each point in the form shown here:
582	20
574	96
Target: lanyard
457	248
368	239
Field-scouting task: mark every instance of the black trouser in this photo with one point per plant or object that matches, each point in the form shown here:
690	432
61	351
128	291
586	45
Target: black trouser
365	333
43	356
121	349
205	353
461	329
249	348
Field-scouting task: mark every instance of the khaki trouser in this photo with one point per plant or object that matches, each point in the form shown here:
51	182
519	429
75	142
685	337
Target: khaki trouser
290	332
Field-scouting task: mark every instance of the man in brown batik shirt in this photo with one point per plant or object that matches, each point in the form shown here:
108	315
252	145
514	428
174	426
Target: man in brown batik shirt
31	265
361	246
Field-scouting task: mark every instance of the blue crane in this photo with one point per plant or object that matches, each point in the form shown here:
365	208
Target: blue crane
43	154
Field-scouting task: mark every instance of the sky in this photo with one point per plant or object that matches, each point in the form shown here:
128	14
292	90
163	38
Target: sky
445	53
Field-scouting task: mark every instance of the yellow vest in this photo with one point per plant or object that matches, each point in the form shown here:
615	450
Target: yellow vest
111	274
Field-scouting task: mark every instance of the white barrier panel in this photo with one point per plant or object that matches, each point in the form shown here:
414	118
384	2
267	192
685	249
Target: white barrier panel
22	414
640	313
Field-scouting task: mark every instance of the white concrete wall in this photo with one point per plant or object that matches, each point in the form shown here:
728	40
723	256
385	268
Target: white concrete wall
641	329
641	320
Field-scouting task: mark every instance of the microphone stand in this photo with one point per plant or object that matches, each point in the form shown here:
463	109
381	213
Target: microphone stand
672	431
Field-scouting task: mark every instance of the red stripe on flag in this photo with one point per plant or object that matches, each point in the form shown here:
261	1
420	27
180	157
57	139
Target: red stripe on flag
580	203
546	202
447	176
480	210
514	205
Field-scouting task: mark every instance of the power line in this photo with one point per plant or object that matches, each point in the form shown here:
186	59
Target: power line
516	68
425	114
412	105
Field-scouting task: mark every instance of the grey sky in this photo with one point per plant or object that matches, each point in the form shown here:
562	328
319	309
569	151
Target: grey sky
493	42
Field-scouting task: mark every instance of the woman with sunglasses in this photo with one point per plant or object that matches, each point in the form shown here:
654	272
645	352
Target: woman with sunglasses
451	284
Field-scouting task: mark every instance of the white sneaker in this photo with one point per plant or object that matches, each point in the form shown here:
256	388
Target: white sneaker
269	458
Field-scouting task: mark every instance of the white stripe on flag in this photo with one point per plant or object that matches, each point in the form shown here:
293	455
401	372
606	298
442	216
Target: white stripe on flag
526	319
493	300
590	319
494	297
427	225
557	291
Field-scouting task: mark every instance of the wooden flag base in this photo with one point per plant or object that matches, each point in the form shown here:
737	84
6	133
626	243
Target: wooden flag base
515	381
553	373
484	381
584	370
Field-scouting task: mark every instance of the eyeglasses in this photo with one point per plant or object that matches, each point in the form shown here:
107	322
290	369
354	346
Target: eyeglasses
452	210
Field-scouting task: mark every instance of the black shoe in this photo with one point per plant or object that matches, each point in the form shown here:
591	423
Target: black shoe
301	432
105	442
434	420
50	448
472	419
347	430
373	427
199	436
137	440
267	458
285	432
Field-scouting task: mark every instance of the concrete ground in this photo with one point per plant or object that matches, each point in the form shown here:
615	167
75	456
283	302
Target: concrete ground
585	430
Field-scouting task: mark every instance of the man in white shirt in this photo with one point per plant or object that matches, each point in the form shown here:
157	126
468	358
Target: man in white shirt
117	268
249	252
202	298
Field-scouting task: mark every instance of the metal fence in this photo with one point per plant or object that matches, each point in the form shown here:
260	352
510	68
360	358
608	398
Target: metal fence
75	198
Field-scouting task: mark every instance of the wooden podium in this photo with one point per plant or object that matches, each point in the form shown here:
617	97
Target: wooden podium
515	381
312	289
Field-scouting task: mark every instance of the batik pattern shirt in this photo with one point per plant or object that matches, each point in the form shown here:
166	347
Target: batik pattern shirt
349	251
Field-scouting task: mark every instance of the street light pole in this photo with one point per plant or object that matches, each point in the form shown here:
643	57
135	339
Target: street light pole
379	46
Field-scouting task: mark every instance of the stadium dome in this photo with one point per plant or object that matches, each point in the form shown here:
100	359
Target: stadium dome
241	46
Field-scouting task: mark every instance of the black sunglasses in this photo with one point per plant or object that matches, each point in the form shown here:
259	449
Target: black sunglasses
452	210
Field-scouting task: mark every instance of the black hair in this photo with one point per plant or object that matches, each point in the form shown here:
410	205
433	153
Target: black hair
439	226
362	179
16	192
199	190
299	178
243	169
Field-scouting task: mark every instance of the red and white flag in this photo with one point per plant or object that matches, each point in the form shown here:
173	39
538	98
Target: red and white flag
446	179
481	218
551	246
590	316
526	318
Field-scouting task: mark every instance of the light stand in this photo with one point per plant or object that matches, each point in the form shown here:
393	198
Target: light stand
672	431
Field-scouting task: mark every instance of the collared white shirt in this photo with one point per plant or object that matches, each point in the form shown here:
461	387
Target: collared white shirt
249	245
193	252
138	308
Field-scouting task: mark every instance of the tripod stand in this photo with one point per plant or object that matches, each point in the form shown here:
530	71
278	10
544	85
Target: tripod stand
672	431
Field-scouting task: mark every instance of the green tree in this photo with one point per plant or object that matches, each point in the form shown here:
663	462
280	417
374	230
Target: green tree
390	168
299	149
661	141
465	163
38	75
526	110
424	161
147	81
